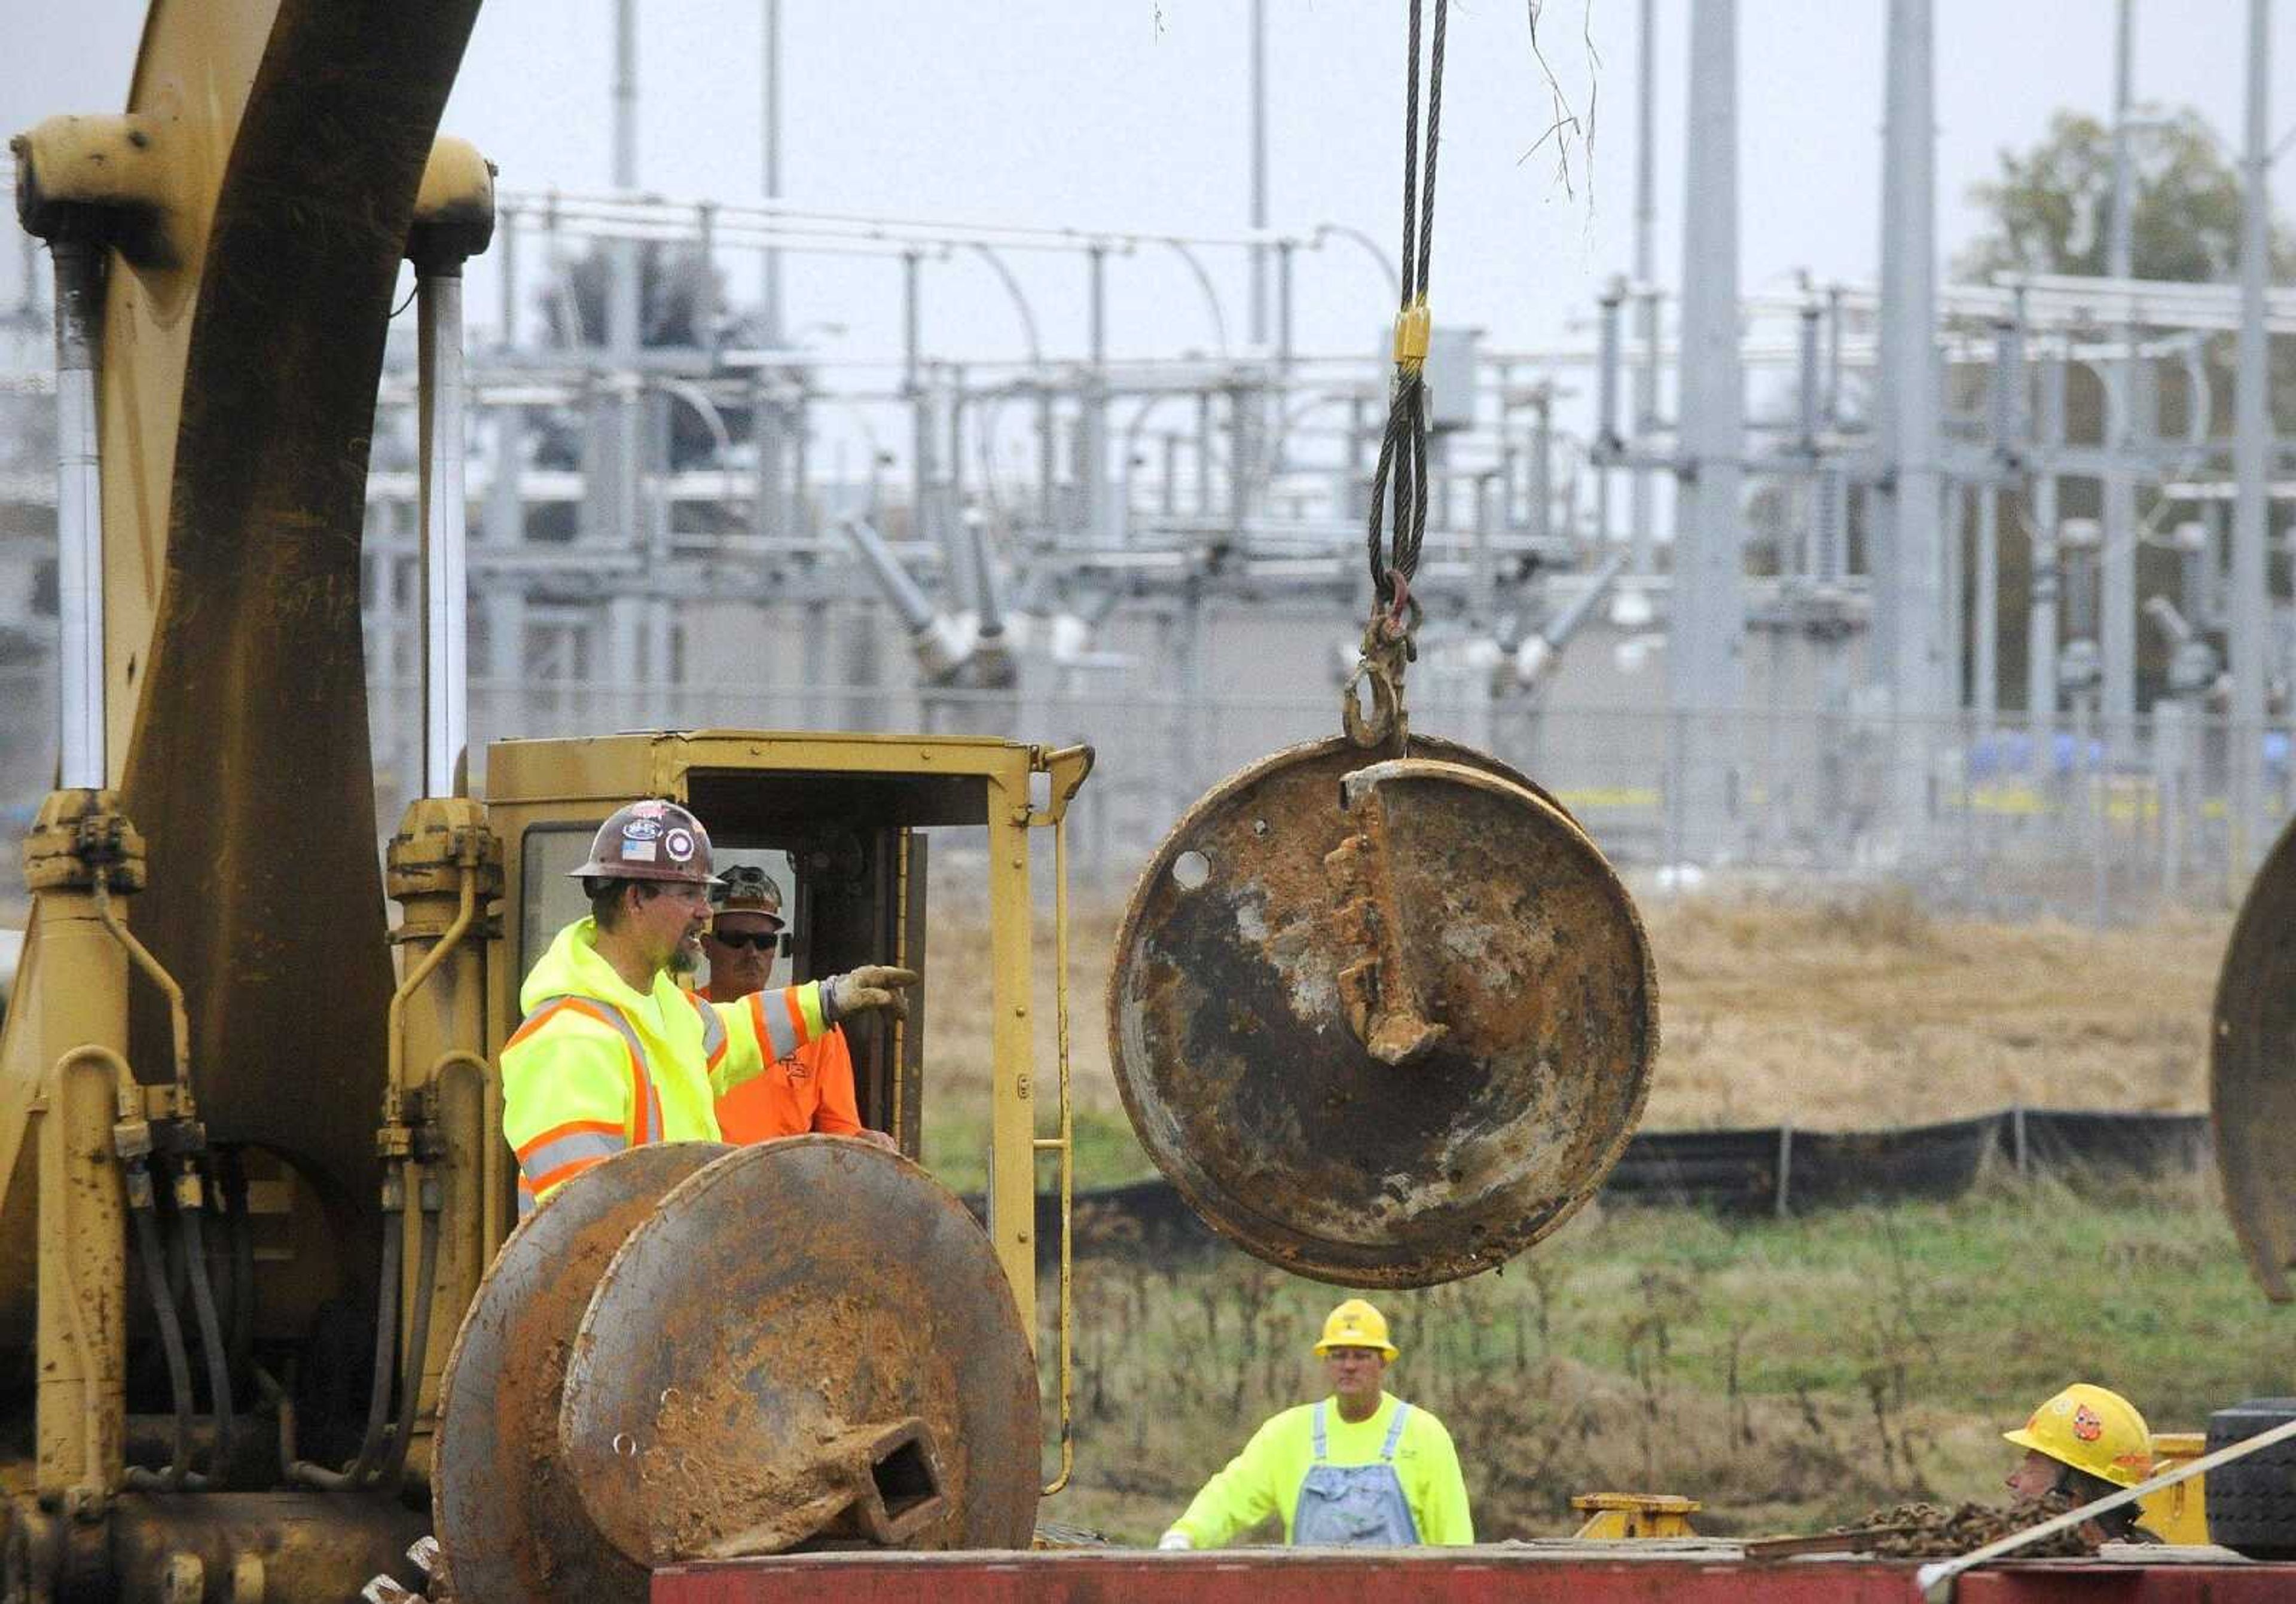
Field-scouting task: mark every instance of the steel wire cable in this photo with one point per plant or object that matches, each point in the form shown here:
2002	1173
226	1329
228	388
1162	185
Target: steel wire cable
1400	477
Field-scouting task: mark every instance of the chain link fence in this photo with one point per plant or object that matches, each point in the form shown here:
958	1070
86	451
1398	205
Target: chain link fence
2008	820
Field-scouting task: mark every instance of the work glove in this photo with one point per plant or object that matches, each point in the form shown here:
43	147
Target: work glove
872	986
1174	1539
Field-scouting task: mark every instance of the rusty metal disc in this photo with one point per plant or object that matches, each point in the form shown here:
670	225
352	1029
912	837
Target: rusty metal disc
795	1297
2253	1073
1383	1023
508	1522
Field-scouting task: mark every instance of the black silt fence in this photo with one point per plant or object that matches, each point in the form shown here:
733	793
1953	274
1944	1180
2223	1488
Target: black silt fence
1775	1170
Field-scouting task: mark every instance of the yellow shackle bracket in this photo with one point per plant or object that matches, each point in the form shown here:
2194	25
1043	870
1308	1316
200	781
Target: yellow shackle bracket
1415	326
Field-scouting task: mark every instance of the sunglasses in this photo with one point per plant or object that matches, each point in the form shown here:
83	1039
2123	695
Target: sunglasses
759	941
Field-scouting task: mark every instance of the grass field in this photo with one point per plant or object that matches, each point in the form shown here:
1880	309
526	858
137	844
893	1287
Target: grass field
1789	1374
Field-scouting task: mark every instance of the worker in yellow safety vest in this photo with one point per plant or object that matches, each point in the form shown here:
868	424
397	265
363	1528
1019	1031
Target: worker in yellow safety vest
613	1051
2083	1444
1358	1469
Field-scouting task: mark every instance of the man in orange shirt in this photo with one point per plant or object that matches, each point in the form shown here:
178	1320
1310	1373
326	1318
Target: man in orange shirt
812	1089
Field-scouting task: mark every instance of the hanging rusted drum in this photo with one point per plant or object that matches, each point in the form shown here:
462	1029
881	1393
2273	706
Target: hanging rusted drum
508	1523
810	1343
1383	1023
2253	1073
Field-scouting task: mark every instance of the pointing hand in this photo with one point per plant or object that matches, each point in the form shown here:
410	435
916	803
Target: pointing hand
872	986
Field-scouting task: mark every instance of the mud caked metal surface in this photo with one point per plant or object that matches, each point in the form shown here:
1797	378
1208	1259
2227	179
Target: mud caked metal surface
2253	1073
508	1521
799	1314
1383	1023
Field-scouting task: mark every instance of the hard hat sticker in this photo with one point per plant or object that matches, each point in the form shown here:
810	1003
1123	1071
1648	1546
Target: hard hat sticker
646	810
642	851
2085	1424
677	843
642	830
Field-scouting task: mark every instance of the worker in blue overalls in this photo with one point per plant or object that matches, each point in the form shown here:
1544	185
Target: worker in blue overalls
1360	1468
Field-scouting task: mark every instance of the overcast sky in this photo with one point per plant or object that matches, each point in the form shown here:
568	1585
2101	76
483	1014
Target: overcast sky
1133	113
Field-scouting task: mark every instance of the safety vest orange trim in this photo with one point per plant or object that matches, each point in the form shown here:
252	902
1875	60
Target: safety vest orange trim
645	1109
531	1188
534	1021
644	1122
533	1185
572	1128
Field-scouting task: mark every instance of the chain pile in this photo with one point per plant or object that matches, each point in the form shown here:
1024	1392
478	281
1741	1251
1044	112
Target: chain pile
1930	1531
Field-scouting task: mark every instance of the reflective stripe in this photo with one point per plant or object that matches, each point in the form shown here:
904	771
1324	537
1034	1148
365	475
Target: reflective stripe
713	1030
787	1020
562	1153
804	1003
531	1191
572	1128
1320	1445
776	1035
644	1122
542	1157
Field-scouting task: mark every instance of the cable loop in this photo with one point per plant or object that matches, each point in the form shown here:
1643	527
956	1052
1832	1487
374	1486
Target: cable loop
1399	482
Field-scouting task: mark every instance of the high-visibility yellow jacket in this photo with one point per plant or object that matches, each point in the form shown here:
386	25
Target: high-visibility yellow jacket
1265	1478
597	1067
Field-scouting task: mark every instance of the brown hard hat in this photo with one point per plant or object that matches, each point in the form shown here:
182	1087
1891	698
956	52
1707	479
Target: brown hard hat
743	888
650	840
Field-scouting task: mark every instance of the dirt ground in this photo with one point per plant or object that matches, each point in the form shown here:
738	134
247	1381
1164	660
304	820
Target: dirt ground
1867	1012
1849	1013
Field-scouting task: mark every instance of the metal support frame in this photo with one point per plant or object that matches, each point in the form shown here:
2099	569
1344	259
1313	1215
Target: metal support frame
1909	650
2116	559
508	280
2250	576
913	390
1985	653
1809	419
503	529
1540	478
1607	439
1704	673
1640	487
1094	478
1258	23
626	94
770	134
2041	628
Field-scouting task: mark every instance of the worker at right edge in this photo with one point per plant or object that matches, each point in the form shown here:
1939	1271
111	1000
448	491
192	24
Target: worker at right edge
2084	1444
1360	1468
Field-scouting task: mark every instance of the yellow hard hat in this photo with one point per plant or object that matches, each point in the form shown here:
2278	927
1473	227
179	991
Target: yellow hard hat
2093	1430
1355	1323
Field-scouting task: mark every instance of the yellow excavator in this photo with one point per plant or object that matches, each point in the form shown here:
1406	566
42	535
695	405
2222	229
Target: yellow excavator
265	1324
253	1170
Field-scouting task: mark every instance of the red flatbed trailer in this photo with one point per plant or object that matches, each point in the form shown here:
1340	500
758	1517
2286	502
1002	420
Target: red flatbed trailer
1529	1575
